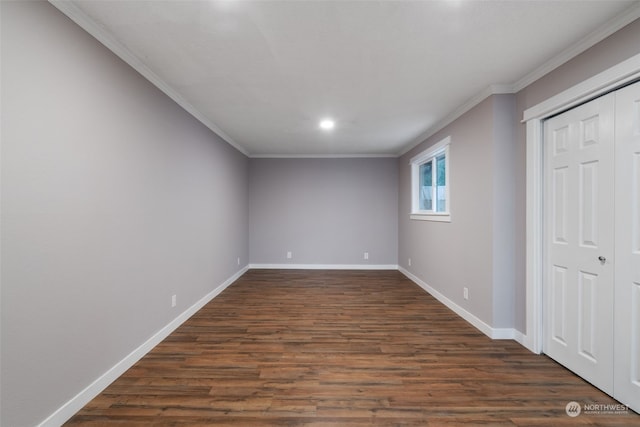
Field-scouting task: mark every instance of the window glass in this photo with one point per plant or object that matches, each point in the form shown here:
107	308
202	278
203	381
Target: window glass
426	186
441	199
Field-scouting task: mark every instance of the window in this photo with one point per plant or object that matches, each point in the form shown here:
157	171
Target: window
430	183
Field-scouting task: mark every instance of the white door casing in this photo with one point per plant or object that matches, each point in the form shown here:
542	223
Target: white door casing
579	233
627	211
602	83
626	362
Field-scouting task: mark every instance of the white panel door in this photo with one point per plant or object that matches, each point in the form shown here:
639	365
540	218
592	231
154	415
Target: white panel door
579	234
627	299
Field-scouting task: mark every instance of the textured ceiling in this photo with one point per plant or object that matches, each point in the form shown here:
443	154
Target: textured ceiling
263	73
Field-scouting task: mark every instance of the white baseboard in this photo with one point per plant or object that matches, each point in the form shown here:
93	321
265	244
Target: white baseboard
502	333
521	338
324	266
66	411
493	333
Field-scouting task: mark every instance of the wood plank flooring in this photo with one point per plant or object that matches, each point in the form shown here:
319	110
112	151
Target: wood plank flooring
339	348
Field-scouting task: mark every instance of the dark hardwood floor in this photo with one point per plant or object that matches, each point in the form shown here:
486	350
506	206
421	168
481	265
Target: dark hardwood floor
339	348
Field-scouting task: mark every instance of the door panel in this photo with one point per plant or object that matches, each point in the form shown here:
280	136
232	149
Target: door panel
588	206
627	312
558	315
559	190
587	291
579	226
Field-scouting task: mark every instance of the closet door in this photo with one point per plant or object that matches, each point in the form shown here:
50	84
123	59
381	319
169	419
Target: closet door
627	299
579	234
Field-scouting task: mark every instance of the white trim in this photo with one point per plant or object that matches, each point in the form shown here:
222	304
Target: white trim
519	337
615	24
456	114
503	333
321	156
79	17
493	333
436	217
66	411
534	217
616	76
323	266
431	151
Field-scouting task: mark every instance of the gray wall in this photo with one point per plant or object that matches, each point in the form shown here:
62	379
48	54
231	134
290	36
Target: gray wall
450	256
484	246
113	199
325	211
504	222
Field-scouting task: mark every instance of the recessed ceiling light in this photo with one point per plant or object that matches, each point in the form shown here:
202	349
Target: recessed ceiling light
327	124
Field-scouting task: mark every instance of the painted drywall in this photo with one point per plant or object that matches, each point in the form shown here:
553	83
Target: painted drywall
611	51
449	256
504	172
323	211
113	200
493	261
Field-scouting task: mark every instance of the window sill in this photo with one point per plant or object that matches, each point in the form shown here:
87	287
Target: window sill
444	217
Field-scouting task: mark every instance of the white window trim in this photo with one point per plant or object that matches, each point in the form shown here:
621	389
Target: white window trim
415	162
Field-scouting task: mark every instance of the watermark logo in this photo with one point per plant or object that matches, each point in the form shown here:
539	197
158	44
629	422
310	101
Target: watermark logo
605	409
573	409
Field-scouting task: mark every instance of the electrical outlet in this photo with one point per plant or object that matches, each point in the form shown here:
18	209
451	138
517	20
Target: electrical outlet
289	255
173	301
409	262
238	260
465	292
366	255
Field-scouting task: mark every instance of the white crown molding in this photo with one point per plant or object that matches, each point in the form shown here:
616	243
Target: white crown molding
79	17
321	156
497	89
623	73
66	411
615	24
